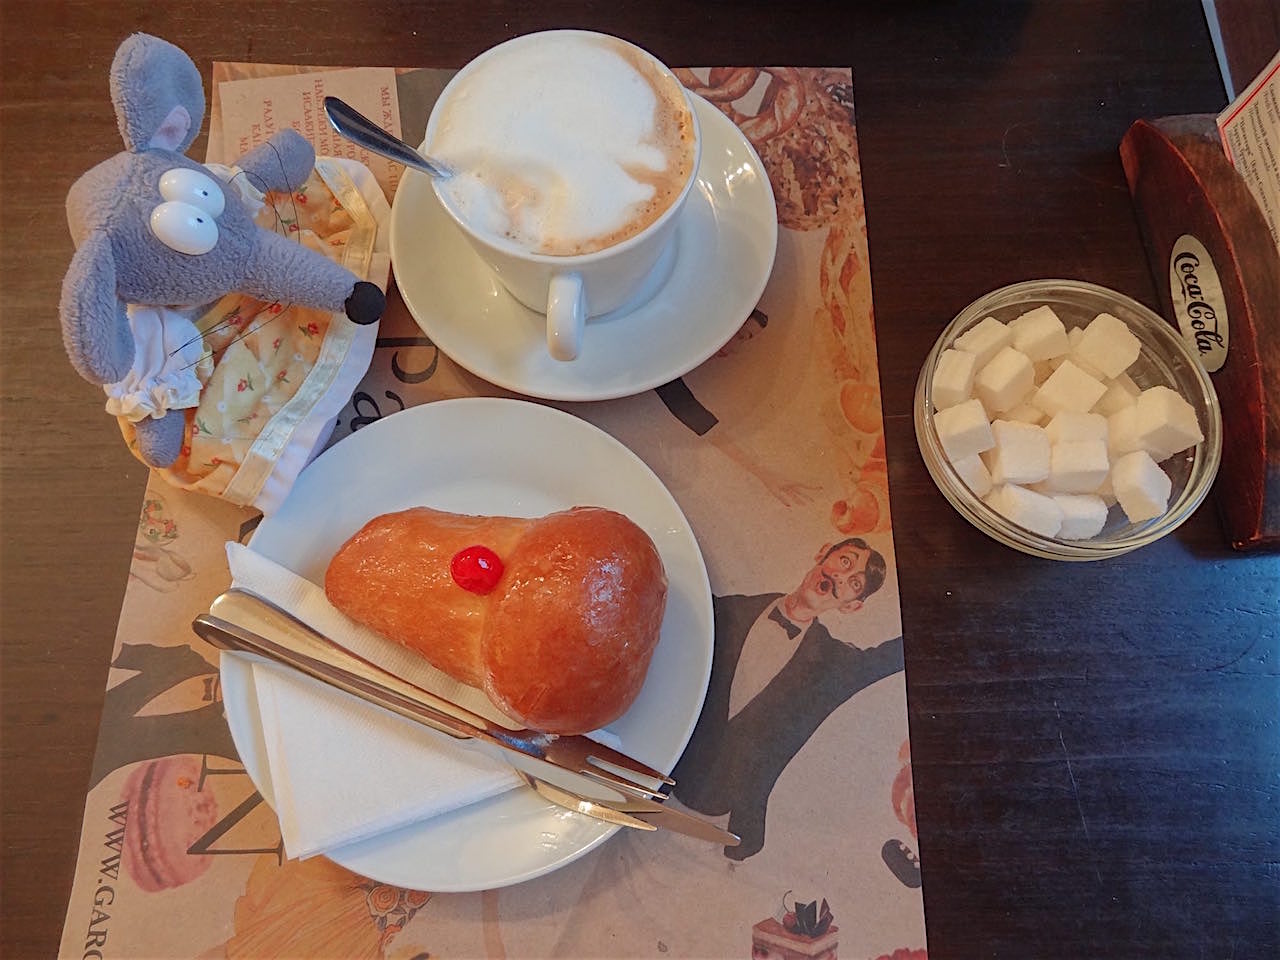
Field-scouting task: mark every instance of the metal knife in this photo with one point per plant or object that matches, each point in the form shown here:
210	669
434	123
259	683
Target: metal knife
636	813
677	821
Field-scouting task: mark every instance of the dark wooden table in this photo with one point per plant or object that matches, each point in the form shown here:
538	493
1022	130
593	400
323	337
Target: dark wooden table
1096	746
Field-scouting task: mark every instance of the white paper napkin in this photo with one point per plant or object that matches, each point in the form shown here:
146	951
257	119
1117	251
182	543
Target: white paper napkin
343	770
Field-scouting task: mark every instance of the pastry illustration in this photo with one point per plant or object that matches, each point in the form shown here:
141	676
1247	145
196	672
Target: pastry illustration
168	811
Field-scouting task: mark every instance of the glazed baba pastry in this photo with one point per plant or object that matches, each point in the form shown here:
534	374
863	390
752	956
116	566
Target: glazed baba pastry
555	618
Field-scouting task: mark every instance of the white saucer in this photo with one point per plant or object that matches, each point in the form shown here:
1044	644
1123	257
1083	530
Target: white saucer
725	245
485	455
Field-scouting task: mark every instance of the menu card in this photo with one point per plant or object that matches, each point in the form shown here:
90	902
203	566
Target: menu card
1250	132
774	449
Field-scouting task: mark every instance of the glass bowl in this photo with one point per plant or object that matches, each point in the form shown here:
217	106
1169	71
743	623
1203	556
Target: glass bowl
1165	359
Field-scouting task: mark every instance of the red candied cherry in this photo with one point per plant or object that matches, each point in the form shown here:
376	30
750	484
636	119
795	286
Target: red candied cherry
476	568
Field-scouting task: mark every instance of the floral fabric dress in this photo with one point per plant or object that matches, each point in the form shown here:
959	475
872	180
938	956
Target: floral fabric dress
274	376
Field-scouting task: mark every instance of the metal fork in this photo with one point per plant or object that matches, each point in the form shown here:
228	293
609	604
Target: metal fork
288	640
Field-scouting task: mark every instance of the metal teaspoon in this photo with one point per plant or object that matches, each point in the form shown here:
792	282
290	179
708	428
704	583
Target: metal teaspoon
359	129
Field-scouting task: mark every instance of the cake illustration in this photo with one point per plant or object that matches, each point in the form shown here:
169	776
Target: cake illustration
805	932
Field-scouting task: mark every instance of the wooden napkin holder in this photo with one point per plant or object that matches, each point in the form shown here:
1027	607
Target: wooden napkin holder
1217	272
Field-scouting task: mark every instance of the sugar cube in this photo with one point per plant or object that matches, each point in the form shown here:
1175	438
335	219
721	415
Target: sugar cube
1068	388
1165	422
1122	432
1108	346
1117	396
1140	486
1039	334
984	340
1071	425
1005	381
1126	381
1037	512
964	430
974	473
1078	466
1020	454
1025	413
1017	322
953	378
1083	515
1106	491
1073	337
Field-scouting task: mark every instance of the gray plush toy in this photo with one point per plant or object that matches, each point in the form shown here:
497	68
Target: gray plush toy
153	227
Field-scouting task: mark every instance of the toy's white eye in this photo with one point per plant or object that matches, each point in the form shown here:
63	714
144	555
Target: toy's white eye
184	227
193	187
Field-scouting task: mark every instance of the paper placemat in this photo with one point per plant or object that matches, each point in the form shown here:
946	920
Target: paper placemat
774	449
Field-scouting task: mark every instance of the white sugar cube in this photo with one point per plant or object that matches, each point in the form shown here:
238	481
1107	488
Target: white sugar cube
1039	334
1073	337
1025	413
1108	346
953	378
1083	515
1121	392
1126	381
1005	381
1122	432
1105	491
1078	466
964	430
1140	486
1020	454
1070	426
1165	422
975	475
1018	321
1037	512
984	340
1068	388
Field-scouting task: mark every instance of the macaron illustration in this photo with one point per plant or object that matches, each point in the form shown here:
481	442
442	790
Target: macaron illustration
167	813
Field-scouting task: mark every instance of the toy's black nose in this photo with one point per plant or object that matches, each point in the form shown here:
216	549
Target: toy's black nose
366	303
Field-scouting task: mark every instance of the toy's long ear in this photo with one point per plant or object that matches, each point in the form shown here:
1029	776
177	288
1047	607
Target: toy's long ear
157	93
95	328
174	131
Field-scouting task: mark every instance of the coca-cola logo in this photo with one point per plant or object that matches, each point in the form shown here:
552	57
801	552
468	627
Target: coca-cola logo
1198	301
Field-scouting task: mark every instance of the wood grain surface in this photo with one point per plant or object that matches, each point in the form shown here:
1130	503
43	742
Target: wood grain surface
1250	32
1096	746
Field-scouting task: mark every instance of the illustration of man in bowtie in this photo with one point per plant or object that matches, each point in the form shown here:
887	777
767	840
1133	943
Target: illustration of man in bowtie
776	675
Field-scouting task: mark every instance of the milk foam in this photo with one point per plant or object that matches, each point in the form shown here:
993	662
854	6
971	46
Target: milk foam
563	145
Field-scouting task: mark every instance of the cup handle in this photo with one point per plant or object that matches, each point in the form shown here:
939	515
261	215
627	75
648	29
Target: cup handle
566	316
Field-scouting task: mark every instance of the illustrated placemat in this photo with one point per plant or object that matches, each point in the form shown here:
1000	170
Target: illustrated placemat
774	449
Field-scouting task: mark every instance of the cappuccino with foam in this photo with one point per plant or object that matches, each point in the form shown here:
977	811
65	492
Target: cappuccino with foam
565	144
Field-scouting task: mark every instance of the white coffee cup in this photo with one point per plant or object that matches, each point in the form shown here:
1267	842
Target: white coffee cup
536	171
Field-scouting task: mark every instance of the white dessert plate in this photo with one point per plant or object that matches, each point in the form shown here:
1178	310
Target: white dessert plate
724	248
515	458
